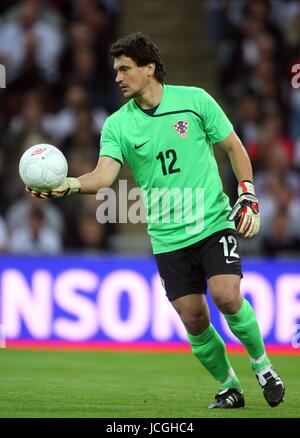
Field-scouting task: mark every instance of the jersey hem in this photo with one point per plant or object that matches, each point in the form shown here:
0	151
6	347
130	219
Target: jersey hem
227	135
114	158
193	241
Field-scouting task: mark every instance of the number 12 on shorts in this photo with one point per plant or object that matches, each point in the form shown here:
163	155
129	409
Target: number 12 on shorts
229	246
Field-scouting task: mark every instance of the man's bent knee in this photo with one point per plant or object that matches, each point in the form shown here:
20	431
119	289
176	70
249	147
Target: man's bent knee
193	312
229	305
225	291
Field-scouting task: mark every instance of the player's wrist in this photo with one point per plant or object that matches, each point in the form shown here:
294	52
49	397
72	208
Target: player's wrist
246	187
74	184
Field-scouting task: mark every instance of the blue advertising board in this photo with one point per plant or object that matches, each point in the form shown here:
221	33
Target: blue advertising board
121	299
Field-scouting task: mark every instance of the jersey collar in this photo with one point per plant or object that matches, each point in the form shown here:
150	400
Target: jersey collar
159	106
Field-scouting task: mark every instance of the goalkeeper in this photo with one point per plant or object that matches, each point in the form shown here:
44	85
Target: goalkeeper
166	134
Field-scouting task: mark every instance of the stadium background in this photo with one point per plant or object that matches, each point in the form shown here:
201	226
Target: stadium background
67	281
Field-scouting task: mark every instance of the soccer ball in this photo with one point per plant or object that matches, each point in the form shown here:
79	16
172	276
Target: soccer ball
43	167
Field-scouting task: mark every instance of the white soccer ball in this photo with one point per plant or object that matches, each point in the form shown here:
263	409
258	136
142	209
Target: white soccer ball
43	167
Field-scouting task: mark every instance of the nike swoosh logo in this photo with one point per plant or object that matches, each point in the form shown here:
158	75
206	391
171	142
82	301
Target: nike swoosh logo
137	146
231	261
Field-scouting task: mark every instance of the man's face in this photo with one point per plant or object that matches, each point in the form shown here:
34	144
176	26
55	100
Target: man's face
131	78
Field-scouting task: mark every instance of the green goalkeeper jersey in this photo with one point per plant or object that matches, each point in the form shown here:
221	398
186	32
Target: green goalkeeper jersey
171	157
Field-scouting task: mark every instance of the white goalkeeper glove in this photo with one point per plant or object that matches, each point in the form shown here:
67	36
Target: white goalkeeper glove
68	186
246	209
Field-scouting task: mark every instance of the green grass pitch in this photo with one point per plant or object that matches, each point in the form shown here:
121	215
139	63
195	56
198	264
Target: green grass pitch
132	385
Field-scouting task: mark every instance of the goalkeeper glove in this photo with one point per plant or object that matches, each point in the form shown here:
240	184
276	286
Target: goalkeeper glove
246	209
68	186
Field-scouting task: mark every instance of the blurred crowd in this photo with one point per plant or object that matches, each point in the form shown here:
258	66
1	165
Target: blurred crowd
59	90
258	43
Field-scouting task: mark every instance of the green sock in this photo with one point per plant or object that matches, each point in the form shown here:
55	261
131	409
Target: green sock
209	349
259	363
245	327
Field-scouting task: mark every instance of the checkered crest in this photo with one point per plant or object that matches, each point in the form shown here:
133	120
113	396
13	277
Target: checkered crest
181	128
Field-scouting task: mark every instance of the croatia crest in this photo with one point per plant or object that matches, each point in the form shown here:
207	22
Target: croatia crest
181	128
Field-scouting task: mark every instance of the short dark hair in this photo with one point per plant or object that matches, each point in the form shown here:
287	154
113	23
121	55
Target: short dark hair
140	48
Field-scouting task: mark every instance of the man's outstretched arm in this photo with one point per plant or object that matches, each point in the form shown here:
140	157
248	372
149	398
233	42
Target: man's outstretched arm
101	177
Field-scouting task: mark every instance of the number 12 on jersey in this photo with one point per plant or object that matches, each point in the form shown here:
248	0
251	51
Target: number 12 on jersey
169	159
